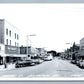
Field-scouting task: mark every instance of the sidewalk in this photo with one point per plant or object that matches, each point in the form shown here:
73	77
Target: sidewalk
9	67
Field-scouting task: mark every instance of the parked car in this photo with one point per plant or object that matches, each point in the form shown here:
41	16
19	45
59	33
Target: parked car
81	64
77	62
63	58
80	61
48	58
37	61
40	61
24	63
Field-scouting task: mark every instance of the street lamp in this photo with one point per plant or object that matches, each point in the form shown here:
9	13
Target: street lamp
69	43
28	39
32	35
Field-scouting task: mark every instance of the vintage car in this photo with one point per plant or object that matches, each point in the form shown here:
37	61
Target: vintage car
48	58
24	63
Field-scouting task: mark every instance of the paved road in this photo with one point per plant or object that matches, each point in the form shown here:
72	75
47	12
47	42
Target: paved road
54	68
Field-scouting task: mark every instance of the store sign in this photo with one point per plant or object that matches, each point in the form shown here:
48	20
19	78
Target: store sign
11	49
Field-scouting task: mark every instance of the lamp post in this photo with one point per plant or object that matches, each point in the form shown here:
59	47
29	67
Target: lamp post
27	41
69	43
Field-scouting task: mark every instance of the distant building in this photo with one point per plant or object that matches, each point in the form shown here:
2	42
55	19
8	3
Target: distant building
31	51
42	51
82	43
81	51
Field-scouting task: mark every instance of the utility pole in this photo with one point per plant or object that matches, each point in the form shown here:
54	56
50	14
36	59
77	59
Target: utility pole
27	43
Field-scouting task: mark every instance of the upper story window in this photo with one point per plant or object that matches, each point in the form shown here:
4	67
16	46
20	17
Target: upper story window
6	31
10	33
15	35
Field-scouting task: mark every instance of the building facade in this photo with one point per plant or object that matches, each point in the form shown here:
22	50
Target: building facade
31	51
82	43
9	41
81	51
9	34
42	52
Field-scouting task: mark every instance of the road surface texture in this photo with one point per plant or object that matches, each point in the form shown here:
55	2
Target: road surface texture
55	68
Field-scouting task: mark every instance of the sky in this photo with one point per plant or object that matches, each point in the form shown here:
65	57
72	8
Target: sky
53	24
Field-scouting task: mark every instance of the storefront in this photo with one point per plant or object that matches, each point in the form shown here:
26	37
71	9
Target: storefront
13	54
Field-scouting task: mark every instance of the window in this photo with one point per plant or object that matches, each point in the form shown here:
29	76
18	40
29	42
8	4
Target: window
10	42
10	33
7	41
15	43
15	35
6	31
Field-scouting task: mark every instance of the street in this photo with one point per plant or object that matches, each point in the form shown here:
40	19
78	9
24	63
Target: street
55	68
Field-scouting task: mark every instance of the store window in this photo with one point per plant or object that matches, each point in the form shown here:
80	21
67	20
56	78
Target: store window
15	35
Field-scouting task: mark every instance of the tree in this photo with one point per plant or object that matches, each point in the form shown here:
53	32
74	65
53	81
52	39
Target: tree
54	53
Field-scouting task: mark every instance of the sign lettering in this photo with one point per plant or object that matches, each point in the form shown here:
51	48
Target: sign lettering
10	48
